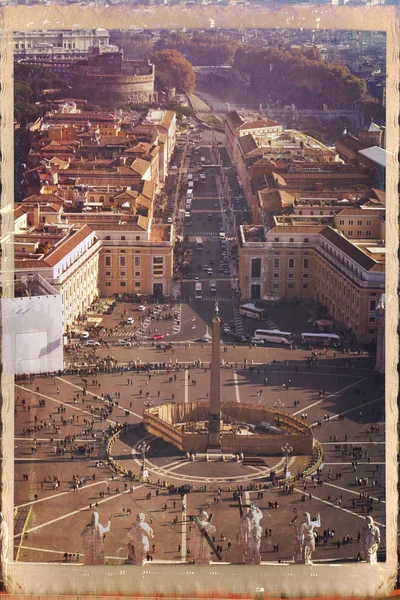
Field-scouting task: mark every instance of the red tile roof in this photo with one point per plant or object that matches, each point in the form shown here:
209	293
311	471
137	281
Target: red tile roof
67	245
260	124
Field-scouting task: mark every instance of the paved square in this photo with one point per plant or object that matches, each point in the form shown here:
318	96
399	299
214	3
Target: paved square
52	445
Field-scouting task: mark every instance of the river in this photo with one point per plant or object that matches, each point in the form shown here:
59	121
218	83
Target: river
226	96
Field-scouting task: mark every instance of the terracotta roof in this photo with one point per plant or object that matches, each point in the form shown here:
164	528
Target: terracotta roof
116	226
379	195
247	143
143	201
140	148
167	119
59	162
350	141
30	263
130	193
148	189
351	250
279	179
259	124
263	162
43	199
283	229
18	212
140	166
356	211
67	245
235	119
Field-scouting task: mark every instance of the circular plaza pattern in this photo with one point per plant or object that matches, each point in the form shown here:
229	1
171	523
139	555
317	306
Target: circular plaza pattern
69	442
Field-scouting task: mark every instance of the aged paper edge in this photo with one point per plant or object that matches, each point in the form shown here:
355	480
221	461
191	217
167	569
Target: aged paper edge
321	580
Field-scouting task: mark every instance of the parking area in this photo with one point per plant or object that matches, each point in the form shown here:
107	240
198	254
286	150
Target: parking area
129	322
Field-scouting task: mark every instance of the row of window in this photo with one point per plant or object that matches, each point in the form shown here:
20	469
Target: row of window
123	284
290	286
351	222
122	261
123	238
359	233
289	275
256	265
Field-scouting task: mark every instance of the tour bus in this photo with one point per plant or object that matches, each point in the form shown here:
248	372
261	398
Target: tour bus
251	311
274	336
199	243
320	339
198	291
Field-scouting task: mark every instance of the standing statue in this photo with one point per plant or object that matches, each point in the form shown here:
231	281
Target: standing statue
200	546
370	540
93	540
250	532
138	541
304	540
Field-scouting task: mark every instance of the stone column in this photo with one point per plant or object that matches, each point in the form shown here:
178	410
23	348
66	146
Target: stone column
214	413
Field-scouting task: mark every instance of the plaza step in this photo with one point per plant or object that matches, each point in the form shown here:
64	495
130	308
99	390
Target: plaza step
253	461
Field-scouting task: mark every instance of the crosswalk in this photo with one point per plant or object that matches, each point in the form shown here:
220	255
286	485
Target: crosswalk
203	234
141	330
239	327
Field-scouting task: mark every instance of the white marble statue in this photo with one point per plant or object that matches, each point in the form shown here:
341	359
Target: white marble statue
249	537
199	546
370	540
304	539
93	540
138	541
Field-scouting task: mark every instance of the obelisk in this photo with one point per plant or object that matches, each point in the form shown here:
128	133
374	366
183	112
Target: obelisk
214	412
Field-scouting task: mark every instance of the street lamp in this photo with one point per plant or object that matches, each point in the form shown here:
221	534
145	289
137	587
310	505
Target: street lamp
279	405
143	448
286	449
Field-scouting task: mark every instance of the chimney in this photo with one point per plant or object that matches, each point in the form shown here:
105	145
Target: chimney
36	215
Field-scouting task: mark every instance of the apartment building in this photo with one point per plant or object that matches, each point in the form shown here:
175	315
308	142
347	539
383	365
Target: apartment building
311	260
131	264
65	258
86	225
236	127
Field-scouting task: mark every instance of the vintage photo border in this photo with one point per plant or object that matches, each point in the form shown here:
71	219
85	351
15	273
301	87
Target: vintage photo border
327	579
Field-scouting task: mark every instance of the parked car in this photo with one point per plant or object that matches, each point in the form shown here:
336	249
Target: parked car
124	343
238	337
257	341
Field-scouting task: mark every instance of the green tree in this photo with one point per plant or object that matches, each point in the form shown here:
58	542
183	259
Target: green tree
176	70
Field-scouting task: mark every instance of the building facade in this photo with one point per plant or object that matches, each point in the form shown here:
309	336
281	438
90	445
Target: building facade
315	262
